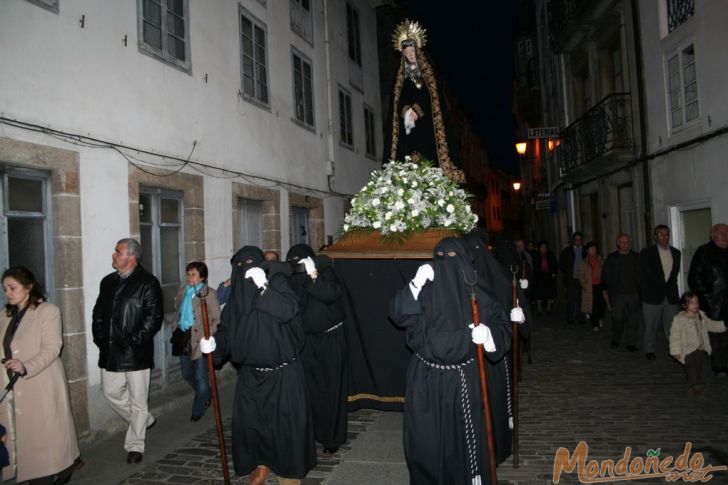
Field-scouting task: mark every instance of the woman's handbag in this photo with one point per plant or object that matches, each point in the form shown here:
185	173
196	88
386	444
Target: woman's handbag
180	342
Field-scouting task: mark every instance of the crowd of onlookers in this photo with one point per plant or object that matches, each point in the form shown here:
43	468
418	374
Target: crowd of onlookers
640	288
274	307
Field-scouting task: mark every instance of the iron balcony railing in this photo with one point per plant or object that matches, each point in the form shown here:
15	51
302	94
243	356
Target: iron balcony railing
603	130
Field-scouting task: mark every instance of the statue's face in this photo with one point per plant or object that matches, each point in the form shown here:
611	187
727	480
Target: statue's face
410	54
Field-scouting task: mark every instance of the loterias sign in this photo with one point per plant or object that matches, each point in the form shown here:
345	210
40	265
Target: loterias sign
545	132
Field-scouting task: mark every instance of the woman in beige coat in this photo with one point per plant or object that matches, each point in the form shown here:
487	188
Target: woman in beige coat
188	330
37	413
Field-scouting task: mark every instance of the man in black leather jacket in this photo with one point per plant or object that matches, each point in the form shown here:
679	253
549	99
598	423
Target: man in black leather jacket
127	315
708	278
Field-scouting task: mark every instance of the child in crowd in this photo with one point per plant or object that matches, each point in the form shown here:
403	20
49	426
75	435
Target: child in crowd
689	342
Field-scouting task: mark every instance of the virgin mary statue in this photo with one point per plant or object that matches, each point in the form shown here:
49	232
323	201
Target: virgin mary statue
418	127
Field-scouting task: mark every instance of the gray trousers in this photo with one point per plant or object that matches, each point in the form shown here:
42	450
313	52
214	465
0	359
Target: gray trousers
626	318
654	316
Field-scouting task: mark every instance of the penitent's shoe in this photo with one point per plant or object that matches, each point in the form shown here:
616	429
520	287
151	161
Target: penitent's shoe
259	475
331	450
134	457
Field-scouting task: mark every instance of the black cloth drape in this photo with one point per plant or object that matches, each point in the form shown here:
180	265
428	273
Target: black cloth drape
377	351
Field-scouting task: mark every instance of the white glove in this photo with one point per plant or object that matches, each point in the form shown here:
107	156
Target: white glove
207	345
409	120
481	335
424	273
524	283
258	277
517	315
309	264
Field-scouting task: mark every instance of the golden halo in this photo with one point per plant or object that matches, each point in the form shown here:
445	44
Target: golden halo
408	30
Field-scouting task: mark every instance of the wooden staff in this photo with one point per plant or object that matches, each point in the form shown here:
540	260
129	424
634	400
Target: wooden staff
483	383
516	359
213	387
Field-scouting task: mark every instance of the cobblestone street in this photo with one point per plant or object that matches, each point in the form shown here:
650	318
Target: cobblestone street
199	460
581	389
577	389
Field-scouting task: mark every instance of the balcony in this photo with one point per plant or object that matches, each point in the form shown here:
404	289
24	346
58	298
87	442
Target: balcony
603	132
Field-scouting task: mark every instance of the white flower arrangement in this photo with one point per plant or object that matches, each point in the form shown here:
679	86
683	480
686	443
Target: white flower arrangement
406	197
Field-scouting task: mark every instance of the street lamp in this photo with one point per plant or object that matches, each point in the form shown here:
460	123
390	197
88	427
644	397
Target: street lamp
521	148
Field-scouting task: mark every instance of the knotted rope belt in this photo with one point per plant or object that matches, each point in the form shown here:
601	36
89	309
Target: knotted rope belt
271	369
331	329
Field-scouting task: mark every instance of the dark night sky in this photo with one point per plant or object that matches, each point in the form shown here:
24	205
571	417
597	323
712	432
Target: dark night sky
472	46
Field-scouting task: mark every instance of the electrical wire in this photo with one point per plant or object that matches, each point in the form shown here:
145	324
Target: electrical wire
200	167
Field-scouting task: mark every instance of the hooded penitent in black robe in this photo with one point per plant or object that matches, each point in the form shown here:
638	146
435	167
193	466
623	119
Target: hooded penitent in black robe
444	431
324	354
262	334
494	280
496	277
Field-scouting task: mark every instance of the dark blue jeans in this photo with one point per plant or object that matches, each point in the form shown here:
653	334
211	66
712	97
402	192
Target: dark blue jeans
195	373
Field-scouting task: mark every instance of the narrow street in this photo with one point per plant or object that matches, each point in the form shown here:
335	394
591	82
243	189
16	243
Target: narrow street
577	389
581	389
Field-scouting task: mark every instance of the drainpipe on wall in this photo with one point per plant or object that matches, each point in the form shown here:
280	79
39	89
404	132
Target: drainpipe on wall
643	123
571	203
330	166
569	188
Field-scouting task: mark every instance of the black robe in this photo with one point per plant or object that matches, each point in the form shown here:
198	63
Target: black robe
263	335
494	280
497	279
443	416
324	354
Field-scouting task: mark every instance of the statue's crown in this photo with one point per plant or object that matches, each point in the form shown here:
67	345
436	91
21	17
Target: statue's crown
408	30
